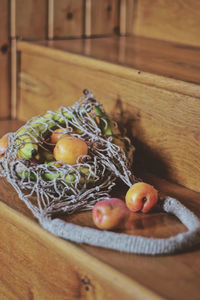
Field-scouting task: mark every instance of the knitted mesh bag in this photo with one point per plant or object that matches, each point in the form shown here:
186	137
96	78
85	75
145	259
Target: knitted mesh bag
50	187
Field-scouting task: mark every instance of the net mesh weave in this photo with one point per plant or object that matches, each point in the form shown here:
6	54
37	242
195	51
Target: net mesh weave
51	187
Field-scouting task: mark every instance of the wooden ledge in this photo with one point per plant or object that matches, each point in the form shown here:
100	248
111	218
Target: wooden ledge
68	253
167	65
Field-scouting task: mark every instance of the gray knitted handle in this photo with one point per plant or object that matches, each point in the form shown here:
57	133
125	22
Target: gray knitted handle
131	243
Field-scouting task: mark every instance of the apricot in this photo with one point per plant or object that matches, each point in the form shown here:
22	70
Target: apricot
57	135
69	148
3	145
109	213
141	197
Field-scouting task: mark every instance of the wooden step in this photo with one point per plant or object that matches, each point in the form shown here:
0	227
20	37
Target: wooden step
174	67
35	264
150	86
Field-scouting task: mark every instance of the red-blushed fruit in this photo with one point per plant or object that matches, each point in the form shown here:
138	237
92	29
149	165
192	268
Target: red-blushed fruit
3	145
69	148
141	197
57	135
109	213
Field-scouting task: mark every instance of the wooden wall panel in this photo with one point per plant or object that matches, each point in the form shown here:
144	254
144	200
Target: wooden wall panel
173	20
105	17
177	20
31	19
68	18
4	60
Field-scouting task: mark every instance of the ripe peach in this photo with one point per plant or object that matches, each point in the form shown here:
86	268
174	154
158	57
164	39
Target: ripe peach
109	213
141	196
69	148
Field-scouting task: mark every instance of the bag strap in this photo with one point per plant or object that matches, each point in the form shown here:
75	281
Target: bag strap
131	243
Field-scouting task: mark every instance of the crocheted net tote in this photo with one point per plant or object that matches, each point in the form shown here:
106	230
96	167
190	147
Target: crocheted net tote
51	187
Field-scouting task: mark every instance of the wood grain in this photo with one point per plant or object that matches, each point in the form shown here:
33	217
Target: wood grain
105	17
68	18
122	17
176	21
150	61
156	117
171	273
31	19
9	126
130	15
50	34
77	270
45	267
13	59
4	60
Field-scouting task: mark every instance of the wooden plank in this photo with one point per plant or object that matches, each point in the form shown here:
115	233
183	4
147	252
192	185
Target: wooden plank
127	16
68	18
105	17
31	19
154	62
170	271
88	18
4	60
33	247
176	21
45	267
9	126
158	117
130	15
123	17
50	19
13	59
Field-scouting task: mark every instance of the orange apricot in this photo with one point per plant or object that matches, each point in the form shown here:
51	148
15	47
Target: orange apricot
57	135
69	148
141	197
3	145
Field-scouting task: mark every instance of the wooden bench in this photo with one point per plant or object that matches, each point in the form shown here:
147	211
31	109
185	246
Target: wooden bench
154	92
